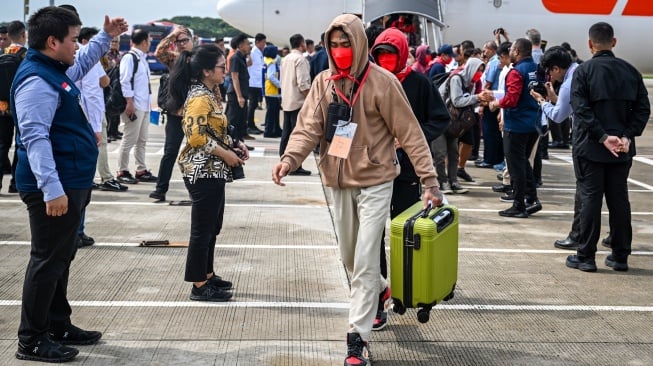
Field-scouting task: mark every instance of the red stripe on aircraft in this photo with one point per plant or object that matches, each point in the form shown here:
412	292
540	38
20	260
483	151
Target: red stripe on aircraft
599	7
639	8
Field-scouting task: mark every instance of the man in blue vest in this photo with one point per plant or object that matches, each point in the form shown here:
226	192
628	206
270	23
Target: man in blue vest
519	133
57	154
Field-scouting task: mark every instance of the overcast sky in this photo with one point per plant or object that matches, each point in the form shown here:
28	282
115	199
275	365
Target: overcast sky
92	12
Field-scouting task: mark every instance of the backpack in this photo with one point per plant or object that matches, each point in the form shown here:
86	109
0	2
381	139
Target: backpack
162	96
115	103
439	79
463	118
9	63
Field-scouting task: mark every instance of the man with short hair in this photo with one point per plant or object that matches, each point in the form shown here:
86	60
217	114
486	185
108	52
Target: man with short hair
611	107
136	117
238	91
444	58
519	133
16	36
4	39
535	37
320	61
295	80
492	140
256	80
361	177
557	108
57	153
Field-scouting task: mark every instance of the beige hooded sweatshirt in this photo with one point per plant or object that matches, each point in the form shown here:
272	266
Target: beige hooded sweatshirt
382	113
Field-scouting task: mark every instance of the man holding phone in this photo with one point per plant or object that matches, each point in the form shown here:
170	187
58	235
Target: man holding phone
136	116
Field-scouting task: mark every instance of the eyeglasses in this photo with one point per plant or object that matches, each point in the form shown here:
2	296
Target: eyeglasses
223	67
182	41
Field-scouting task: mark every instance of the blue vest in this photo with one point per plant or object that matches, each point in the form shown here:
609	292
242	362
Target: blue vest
73	142
521	119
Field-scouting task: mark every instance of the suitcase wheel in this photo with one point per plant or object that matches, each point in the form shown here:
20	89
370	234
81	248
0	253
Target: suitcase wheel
398	307
423	315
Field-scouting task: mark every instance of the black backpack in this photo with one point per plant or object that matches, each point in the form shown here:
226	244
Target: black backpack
162	97
115	102
9	63
439	79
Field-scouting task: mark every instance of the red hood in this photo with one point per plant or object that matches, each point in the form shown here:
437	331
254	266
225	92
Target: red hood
395	38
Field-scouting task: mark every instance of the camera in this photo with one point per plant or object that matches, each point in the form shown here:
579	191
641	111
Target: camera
538	87
335	112
499	31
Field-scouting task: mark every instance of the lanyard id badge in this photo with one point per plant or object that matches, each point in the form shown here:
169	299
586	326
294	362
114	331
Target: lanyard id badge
342	139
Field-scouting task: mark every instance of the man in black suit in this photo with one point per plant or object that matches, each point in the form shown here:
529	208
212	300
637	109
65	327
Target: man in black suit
611	107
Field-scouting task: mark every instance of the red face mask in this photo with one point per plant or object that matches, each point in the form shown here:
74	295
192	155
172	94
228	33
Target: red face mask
477	77
343	57
388	61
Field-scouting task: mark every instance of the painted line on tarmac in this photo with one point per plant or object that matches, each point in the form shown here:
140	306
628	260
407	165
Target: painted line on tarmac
334	247
649	188
159	204
339	305
643	160
247	181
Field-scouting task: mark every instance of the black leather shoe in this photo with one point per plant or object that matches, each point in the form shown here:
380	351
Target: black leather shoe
500	177
586	266
501	188
568	243
85	240
607	241
300	171
74	335
617	266
462	174
533	207
45	350
514	212
254	131
159	196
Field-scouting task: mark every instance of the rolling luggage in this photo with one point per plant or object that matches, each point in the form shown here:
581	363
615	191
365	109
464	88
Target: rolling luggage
423	258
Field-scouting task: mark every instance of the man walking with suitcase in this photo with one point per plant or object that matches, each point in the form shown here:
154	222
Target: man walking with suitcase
355	111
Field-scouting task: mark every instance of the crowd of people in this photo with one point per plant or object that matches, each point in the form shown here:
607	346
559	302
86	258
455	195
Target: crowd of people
387	109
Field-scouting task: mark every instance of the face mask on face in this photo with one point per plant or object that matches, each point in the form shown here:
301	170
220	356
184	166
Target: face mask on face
388	61
343	57
477	76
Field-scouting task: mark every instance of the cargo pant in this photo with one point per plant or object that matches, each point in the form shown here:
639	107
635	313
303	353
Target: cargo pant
360	216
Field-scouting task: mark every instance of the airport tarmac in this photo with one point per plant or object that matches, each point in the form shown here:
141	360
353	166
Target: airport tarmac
515	303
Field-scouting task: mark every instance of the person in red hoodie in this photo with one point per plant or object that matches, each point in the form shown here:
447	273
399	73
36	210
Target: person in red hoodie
390	51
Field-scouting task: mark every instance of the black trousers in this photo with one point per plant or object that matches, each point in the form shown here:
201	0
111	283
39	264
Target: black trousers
174	137
45	305
6	139
404	195
113	122
207	212
518	147
252	103
272	127
289	122
595	180
492	140
237	115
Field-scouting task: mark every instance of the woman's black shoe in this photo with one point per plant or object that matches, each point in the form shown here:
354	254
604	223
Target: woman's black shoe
45	350
208	292
220	283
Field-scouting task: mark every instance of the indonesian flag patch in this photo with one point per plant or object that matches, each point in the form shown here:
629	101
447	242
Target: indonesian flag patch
65	86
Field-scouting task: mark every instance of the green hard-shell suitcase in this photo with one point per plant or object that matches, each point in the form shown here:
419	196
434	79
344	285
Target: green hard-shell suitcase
423	258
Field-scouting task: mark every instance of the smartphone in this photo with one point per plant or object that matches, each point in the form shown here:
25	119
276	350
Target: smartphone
133	117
